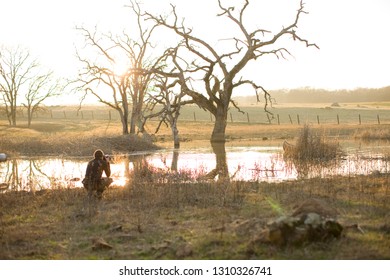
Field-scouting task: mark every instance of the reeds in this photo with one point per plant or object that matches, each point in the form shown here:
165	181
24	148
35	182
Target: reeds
311	147
367	135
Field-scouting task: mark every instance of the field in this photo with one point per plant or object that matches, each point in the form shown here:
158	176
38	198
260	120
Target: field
162	217
67	124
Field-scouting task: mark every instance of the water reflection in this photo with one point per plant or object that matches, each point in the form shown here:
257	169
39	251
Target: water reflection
37	173
217	162
221	170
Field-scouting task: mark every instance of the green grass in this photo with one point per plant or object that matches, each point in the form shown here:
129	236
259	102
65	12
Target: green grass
304	113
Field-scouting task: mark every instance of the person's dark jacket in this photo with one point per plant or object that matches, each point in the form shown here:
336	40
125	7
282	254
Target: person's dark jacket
95	169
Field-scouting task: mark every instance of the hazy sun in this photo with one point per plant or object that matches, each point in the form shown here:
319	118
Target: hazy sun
120	67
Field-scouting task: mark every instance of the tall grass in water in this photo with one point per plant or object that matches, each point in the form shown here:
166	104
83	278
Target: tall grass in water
311	154
373	134
161	187
313	147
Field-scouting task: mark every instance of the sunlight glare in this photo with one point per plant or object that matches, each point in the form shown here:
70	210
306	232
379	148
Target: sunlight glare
120	67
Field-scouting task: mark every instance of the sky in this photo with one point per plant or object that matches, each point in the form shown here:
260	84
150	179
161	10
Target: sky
352	35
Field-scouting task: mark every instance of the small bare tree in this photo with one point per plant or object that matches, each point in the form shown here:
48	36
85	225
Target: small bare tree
42	87
16	68
23	82
168	100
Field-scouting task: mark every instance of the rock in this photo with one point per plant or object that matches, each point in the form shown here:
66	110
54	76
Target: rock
317	206
271	236
313	219
332	228
3	157
248	226
288	230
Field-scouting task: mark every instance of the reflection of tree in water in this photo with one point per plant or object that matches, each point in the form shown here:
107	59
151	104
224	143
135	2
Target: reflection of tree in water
175	160
26	175
143	170
221	168
10	175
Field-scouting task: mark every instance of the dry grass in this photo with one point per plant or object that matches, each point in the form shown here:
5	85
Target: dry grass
68	139
311	147
373	134
190	220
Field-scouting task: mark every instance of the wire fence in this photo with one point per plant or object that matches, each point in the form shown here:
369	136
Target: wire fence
251	115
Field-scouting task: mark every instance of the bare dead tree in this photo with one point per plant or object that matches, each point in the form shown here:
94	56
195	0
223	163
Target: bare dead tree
16	68
42	87
168	100
129	88
220	70
140	59
98	76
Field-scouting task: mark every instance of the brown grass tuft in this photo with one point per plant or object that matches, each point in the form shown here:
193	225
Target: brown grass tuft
312	147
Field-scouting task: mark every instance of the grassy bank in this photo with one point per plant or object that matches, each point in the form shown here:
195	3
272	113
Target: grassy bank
68	138
82	137
192	221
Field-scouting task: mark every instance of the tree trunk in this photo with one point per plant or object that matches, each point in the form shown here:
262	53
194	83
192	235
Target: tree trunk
175	134
29	117
135	113
124	118
13	115
218	134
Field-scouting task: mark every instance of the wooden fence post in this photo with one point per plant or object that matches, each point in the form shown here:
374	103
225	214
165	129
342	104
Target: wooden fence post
278	119
290	119
338	119
360	119
247	116
379	121
194	117
298	119
318	119
231	117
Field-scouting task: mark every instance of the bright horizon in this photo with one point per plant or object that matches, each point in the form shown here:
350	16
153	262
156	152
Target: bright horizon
352	36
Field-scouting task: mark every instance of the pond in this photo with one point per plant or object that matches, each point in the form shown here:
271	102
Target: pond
244	163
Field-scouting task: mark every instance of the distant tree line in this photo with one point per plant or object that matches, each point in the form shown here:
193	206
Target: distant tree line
312	95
